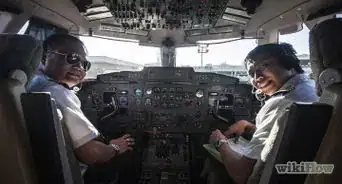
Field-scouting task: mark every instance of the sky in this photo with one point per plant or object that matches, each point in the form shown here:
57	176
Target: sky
231	53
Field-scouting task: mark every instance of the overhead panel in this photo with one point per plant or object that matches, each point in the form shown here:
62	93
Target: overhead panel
236	15
97	12
148	15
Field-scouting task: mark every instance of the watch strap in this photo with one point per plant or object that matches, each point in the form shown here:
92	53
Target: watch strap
220	142
116	147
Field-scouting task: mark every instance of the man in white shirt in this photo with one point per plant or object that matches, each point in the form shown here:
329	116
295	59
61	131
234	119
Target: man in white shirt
275	73
63	66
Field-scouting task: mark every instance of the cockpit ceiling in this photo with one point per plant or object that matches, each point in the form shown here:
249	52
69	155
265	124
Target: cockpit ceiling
189	21
185	21
187	18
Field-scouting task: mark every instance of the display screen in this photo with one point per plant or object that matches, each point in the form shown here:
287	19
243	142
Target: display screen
227	100
169	73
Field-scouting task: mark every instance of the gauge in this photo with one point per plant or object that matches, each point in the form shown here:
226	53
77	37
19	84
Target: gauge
112	89
216	79
148	102
178	74
199	93
138	92
156	90
157	97
149	91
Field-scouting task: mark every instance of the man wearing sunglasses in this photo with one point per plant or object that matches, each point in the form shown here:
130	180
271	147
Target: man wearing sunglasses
63	66
275	73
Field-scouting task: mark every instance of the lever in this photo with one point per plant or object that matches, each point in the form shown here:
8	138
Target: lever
115	109
115	104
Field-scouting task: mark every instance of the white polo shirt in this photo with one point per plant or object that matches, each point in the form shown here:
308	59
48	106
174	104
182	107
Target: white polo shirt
298	89
80	128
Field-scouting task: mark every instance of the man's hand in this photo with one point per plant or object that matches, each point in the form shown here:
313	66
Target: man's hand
215	136
125	143
238	128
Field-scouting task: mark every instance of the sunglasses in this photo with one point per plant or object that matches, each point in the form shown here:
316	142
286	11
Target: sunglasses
74	58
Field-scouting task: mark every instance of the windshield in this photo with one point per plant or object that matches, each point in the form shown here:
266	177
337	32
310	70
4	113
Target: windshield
226	58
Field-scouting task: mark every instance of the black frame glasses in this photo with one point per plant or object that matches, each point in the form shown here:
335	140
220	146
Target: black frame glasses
73	58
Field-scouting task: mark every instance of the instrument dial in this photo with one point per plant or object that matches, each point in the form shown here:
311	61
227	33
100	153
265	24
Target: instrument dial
149	91
138	92
199	93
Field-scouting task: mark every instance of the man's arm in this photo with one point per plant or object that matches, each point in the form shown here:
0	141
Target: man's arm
239	128
95	152
238	166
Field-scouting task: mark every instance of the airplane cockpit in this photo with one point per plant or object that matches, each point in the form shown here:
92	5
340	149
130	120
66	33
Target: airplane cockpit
170	109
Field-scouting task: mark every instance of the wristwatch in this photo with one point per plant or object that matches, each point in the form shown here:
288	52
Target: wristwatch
220	142
116	148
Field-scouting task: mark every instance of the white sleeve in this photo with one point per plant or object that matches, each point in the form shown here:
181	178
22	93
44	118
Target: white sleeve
258	140
80	128
276	134
272	115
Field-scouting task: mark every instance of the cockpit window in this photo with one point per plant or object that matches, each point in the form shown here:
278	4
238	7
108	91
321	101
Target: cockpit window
114	56
224	58
300	42
24	28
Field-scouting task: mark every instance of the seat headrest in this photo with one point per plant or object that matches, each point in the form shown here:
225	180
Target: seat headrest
326	44
326	53
19	52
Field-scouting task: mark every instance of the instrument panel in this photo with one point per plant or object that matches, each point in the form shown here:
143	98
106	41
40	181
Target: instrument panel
165	99
171	111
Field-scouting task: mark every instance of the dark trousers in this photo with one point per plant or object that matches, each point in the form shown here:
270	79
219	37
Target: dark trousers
215	172
119	170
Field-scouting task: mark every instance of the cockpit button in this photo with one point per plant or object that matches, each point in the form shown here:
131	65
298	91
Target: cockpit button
164	105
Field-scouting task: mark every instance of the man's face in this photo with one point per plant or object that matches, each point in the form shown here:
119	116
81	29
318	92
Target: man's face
267	75
61	66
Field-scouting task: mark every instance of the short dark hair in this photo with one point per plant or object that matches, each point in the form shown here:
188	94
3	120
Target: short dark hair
56	40
283	52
